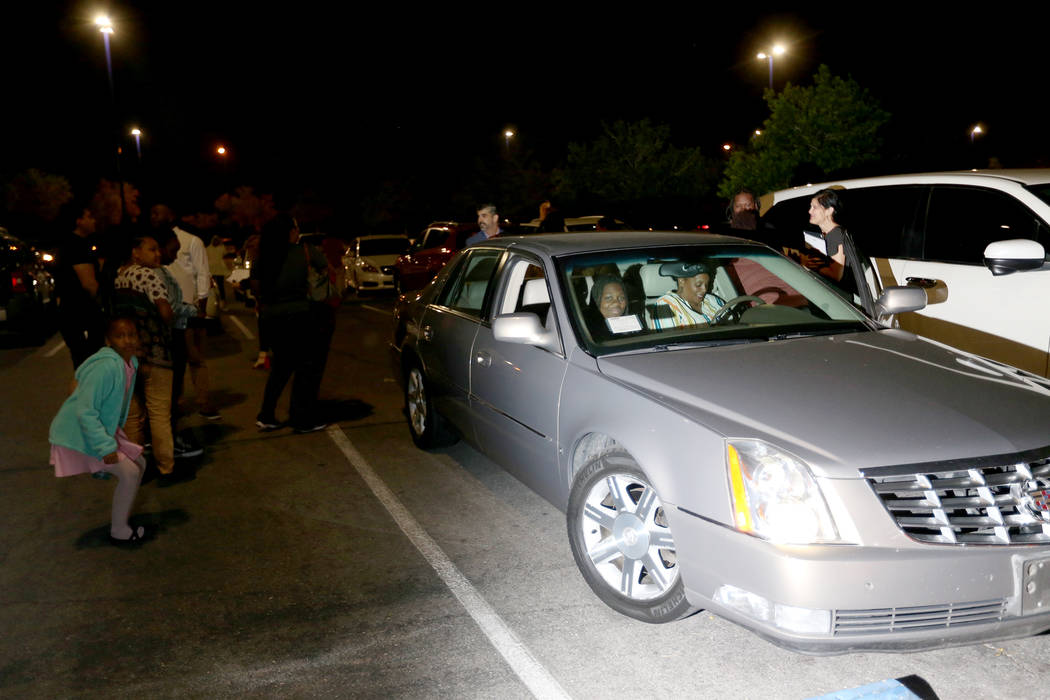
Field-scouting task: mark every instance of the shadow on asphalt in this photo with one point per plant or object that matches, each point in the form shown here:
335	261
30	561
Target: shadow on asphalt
339	410
155	523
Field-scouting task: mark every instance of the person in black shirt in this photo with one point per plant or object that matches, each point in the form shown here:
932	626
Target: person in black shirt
80	318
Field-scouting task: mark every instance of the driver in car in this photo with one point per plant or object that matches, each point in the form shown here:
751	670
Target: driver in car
690	304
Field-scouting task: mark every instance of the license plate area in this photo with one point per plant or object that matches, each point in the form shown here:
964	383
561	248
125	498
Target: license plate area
1035	587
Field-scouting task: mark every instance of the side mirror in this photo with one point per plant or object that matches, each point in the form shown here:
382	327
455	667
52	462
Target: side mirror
899	300
1015	255
524	329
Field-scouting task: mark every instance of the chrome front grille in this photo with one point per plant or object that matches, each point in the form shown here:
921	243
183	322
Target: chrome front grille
914	619
989	503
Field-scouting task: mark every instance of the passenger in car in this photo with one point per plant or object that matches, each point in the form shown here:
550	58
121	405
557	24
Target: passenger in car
691	303
608	299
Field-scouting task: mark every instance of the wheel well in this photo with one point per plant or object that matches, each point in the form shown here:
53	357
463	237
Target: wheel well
589	447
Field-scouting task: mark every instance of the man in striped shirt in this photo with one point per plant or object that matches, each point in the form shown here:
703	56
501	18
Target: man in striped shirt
690	304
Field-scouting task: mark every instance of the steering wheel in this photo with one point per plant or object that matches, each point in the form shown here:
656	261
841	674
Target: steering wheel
730	309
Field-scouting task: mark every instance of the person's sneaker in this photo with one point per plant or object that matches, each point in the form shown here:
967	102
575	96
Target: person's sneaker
303	429
185	449
267	424
210	414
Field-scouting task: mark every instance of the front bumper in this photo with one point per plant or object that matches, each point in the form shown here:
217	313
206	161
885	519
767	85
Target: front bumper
890	598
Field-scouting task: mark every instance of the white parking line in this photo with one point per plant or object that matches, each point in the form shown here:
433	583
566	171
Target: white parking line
244	328
385	312
55	350
522	662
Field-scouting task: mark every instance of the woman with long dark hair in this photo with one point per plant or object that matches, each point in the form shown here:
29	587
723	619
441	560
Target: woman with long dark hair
298	333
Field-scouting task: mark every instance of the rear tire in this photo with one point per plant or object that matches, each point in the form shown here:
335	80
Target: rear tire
425	424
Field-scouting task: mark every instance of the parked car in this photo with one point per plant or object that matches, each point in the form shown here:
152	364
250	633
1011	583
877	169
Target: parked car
27	288
576	223
433	248
932	230
369	261
793	466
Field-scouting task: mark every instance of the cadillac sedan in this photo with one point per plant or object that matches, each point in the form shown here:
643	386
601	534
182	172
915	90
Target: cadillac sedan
724	431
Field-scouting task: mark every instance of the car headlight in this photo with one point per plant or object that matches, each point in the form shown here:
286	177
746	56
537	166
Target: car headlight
774	495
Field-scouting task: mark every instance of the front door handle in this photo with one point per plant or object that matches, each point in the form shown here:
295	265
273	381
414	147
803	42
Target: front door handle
483	359
921	282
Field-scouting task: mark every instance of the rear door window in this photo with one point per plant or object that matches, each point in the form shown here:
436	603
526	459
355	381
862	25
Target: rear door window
882	220
962	221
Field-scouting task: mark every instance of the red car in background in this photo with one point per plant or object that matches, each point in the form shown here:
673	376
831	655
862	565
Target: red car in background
435	246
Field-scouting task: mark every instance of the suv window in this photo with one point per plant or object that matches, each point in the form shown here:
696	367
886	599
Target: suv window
882	220
962	221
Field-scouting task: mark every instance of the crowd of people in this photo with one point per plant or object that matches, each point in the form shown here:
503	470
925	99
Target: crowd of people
134	316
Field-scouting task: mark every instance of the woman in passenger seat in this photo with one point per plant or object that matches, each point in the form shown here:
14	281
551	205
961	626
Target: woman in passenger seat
608	299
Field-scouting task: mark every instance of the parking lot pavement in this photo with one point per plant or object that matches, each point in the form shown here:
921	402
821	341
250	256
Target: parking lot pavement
287	568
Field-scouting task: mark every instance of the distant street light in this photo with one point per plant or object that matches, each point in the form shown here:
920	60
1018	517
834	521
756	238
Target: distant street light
221	150
106	27
137	133
777	50
508	135
975	132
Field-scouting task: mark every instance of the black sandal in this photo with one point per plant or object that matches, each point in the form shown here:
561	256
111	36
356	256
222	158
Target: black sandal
138	536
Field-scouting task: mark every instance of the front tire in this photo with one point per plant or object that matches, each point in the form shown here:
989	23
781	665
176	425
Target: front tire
622	541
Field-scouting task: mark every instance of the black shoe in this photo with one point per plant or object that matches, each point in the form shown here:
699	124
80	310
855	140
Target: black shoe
303	429
210	415
176	477
186	449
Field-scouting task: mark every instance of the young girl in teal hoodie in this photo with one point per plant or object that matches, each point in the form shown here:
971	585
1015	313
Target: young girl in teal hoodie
87	434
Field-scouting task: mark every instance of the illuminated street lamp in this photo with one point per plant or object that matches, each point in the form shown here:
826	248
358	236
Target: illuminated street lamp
508	134
106	27
221	150
777	50
975	132
137	133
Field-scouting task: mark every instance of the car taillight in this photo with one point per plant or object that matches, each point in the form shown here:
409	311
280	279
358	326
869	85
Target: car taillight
18	282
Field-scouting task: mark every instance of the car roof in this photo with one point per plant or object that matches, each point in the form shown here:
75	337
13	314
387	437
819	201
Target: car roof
554	244
1030	176
373	236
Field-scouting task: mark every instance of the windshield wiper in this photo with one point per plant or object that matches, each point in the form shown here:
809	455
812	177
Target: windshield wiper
814	332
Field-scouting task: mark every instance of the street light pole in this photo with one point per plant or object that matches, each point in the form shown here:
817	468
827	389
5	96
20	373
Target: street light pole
105	26
777	50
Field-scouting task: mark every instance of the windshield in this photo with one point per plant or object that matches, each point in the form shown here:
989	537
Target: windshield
384	246
659	298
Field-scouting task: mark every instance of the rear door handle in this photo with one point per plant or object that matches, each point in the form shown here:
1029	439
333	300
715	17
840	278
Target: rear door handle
428	333
483	359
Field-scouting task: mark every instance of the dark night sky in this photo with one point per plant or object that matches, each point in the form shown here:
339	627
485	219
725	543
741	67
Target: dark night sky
309	95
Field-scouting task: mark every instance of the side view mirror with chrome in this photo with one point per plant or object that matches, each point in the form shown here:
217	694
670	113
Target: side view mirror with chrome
1014	255
899	300
525	329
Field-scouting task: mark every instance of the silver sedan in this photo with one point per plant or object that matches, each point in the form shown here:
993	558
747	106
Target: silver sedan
725	431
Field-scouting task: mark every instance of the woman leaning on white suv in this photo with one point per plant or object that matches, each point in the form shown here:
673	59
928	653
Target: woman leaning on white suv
933	230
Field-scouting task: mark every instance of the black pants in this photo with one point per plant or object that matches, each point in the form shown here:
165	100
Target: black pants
300	347
83	330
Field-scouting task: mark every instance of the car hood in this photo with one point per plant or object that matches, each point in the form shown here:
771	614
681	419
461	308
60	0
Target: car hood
852	401
380	260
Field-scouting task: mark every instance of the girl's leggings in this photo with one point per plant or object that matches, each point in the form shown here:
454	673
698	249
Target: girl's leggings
129	476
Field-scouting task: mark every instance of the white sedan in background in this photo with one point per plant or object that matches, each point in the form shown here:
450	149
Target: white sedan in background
369	261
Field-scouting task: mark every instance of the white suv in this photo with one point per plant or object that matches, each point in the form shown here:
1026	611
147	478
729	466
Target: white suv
934	230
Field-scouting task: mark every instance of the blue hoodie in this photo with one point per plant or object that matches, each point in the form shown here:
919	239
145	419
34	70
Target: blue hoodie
88	420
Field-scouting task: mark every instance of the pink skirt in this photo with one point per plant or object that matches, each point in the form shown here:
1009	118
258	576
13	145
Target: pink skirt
69	462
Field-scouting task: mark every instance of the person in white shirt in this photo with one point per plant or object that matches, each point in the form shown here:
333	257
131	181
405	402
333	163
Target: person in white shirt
191	270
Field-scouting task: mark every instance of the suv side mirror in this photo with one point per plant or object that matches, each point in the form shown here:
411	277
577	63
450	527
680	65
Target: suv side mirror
1015	255
899	300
